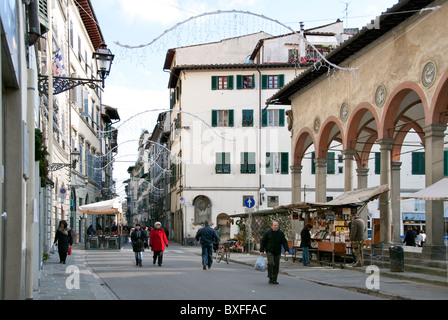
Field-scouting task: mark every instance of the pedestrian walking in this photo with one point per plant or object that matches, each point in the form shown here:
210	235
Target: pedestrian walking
357	236
64	239
421	238
207	235
157	242
272	242
409	239
138	239
305	244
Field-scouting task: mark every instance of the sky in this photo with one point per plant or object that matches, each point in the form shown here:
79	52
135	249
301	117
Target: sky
138	84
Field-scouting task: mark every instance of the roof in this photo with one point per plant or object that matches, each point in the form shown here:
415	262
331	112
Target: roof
175	72
436	191
90	22
347	199
366	36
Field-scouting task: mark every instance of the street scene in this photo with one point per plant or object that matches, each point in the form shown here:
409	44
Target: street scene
227	157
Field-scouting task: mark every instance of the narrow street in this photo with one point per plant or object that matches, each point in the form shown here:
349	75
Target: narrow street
181	278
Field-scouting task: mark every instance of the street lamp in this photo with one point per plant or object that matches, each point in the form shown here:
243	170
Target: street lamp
56	166
262	192
103	58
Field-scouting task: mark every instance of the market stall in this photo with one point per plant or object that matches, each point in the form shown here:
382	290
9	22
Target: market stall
330	221
100	240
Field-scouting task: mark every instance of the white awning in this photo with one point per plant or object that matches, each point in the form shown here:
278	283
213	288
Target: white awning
112	206
359	196
436	191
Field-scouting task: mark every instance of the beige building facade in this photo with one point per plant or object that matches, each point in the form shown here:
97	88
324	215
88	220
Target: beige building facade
397	84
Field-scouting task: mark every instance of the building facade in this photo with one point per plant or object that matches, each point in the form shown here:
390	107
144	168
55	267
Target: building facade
396	89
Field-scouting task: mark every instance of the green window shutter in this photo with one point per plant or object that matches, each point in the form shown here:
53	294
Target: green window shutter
377	162
243	162
251	166
269	164
313	164
253	81
219	164
214	118
230	83
445	163
284	163
264	82
281	80
281	117
239	81
226	160
264	118
231	118
418	163
214	83
330	163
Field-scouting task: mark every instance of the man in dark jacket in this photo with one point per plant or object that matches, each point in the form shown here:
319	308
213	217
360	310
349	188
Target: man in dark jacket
207	235
305	244
357	236
272	242
138	238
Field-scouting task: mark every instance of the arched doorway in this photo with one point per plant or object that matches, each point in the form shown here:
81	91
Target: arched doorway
222	222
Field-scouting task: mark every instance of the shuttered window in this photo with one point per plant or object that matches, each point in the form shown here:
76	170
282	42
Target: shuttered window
222	162
248	162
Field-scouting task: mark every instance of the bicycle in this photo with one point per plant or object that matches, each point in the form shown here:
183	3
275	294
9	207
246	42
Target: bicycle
224	251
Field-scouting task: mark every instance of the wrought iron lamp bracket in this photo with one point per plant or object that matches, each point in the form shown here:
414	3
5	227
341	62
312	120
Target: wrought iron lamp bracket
62	84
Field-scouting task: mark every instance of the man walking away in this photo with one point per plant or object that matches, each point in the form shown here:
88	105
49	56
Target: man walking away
357	236
207	235
272	242
305	244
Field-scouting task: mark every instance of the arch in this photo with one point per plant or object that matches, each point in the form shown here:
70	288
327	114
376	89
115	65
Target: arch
439	105
304	140
223	223
329	133
202	209
392	106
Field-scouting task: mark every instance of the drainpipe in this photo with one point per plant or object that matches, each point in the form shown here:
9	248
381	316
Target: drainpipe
33	20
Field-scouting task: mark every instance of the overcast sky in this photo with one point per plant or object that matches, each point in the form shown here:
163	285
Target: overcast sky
138	82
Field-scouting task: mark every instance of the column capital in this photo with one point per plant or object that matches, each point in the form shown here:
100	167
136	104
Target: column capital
296	168
437	130
362	171
320	162
385	144
396	165
348	153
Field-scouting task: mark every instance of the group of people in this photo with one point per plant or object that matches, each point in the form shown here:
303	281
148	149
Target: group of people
413	238
156	240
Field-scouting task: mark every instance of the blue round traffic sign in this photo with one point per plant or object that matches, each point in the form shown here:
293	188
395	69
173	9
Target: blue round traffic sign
249	202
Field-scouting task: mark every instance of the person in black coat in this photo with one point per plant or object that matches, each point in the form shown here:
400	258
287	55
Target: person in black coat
409	240
272	242
64	239
138	239
305	244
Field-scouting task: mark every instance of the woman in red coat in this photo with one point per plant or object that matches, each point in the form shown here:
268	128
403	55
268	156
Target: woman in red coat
157	242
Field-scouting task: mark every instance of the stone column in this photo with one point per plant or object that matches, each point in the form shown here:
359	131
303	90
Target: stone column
348	169
296	175
321	179
362	184
385	178
434	159
395	202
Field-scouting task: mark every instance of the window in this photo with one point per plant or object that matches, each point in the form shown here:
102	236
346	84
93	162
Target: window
377	162
277	163
331	168
222	162
222	118
245	82
222	82
273	118
272	201
418	163
272	81
248	118
248	162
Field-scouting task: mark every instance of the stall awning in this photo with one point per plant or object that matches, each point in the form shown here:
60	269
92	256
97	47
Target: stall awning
348	198
112	206
436	191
